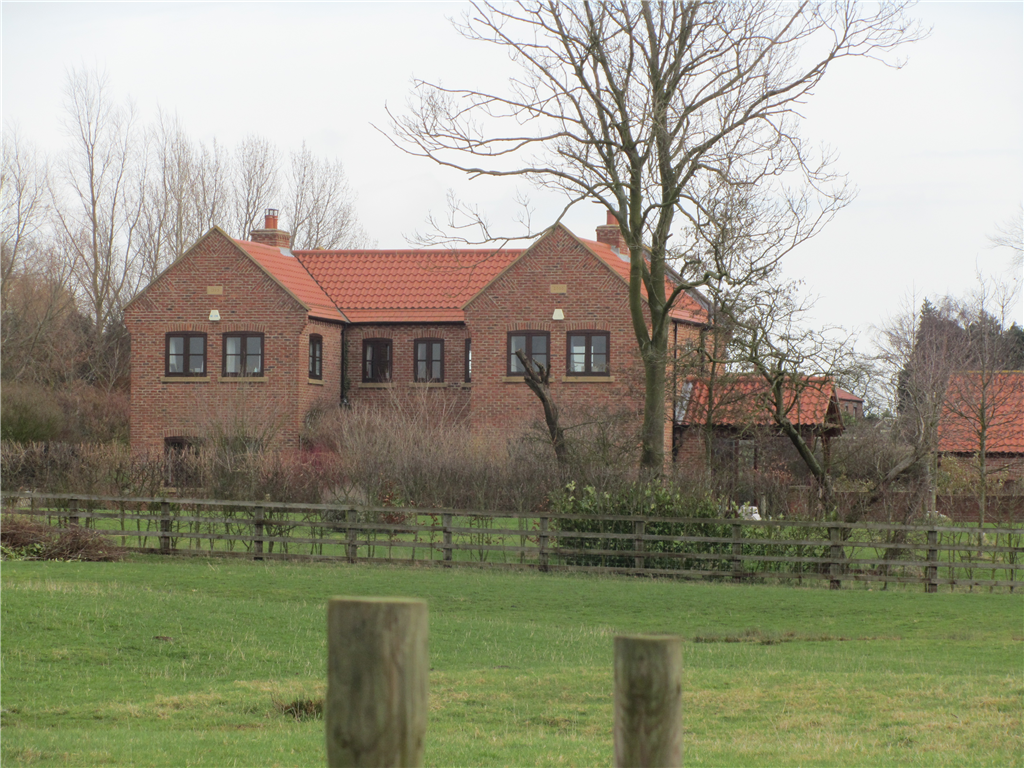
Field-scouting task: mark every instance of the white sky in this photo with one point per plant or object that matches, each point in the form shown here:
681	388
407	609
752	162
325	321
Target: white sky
936	149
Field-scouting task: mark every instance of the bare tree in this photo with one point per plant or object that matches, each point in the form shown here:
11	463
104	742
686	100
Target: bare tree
642	107
24	207
187	193
982	401
256	183
321	208
775	342
99	207
918	351
1011	235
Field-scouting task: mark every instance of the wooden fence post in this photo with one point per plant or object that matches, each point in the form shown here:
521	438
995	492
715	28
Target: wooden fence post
542	542
648	706
638	543
257	525
375	713
73	511
835	553
932	571
446	535
165	528
737	552
350	535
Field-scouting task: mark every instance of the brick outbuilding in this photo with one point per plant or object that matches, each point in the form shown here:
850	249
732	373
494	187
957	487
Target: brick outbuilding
249	336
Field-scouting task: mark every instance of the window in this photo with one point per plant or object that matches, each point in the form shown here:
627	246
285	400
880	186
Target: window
316	356
533	343
587	353
243	354
376	360
185	354
429	360
469	362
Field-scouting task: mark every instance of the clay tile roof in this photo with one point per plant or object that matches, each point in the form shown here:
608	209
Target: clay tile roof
742	402
407	285
1004	412
687	307
842	395
290	273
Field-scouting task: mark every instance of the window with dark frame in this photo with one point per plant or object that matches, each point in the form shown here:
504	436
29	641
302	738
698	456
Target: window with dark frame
243	355
376	360
587	353
316	356
185	354
535	345
469	361
428	360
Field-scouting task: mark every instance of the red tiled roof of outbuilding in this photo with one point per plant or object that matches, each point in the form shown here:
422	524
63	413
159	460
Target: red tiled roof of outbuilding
405	285
743	402
294	278
1004	412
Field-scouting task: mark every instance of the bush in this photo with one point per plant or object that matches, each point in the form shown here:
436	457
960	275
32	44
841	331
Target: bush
27	414
25	538
77	413
641	500
417	451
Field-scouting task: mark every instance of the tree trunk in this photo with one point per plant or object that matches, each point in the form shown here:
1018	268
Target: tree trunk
537	378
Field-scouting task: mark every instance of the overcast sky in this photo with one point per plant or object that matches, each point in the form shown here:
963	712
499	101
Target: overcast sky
936	149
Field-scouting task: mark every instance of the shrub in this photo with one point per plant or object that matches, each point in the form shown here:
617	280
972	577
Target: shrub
27	415
641	500
30	539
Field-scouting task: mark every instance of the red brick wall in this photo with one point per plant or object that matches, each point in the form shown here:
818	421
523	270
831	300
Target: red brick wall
451	395
181	300
523	298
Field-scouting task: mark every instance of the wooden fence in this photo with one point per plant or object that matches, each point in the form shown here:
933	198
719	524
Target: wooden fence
724	549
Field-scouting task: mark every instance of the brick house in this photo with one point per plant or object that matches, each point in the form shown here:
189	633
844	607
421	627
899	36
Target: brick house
252	332
984	402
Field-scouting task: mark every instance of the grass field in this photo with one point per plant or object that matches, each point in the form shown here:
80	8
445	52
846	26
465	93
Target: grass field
190	661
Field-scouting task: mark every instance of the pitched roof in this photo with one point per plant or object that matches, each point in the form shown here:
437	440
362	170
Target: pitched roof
742	401
687	307
406	285
1002	393
842	395
281	265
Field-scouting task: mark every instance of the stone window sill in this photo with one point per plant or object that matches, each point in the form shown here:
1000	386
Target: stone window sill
184	379
317	382
375	385
588	379
242	380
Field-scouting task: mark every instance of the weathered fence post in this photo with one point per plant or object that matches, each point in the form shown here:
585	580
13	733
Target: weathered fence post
165	528
73	511
446	535
257	525
375	713
638	543
350	535
542	542
737	552
835	553
932	571
648	708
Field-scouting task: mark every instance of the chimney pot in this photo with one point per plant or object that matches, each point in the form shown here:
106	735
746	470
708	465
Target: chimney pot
611	219
271	219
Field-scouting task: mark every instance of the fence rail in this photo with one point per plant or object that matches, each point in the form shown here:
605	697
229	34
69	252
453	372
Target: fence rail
736	549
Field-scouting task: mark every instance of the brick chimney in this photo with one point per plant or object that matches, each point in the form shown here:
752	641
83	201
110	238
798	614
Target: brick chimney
270	234
609	234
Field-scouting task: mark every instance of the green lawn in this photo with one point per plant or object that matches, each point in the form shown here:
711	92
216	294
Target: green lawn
521	666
